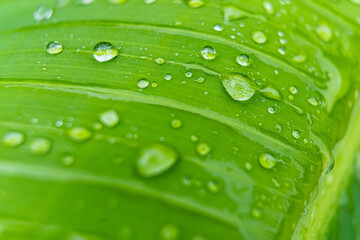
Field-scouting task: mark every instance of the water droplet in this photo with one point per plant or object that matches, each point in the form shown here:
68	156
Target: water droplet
259	37
188	74
105	51
154	84
271	93
203	149
168	77
85	2
213	186
256	213
208	53
296	134
194	138
271	110
200	80
43	13
40	146
355	1
267	161
324	32
176	123
169	232
238	86
195	3
155	160
218	27
118	1
68	160
109	118
248	166
13	139
143	83
79	134
149	1
54	48
269	8
232	13
160	60
282	50
313	101
243	60
300	58
293	90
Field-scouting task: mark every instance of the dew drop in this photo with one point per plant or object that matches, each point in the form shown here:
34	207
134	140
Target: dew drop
176	123
200	80
296	134
238	86
68	160
13	139
208	53
194	138
195	3
160	60
188	74
203	149
85	2
243	60
168	77
155	160
169	232
271	110
259	37
149	1
267	161
282	50
213	186
313	101
54	48
40	146
324	32
293	90
143	83
248	166
105	51
269	8
43	13
300	58
109	118
218	27
271	93
355	1
79	134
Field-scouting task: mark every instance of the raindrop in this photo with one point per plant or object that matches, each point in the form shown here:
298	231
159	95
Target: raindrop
155	160
259	37
188	74
43	13
203	149
194	138
267	161
248	166
40	146
79	134
160	60
282	50
293	90
218	27
208	53
143	83
13	139
54	48
355	1
296	134
168	77
238	86
149	1
109	118
243	60
105	51
271	110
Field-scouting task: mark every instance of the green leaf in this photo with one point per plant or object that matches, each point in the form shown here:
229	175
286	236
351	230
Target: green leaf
129	119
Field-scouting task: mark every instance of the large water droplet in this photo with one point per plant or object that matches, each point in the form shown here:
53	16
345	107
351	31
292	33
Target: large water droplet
238	86
169	232
43	13
54	48
195	3
155	160
243	60
267	161
208	53
324	32
79	134
259	37
203	149
13	139
105	51
109	118
40	146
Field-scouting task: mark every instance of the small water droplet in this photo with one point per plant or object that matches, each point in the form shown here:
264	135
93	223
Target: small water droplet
13	139
43	13
282	50
118	1
143	83
271	110
54	48
195	3
105	51
296	134
238	86
203	149
293	90
169	232
160	60
248	166
79	134
168	77
324	32
267	161
208	53
194	138
256	213
269	8
300	58
155	160
213	186
271	93
313	101
40	146
243	60
218	27
109	118
200	80
68	160
149	1
259	37
176	123
188	74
